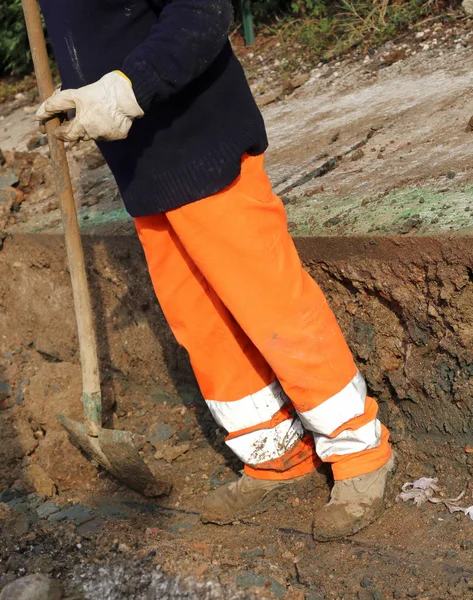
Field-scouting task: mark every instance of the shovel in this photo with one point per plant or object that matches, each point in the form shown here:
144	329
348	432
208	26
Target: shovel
112	449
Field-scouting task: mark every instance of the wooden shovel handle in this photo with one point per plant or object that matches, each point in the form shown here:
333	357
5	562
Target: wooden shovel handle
75	254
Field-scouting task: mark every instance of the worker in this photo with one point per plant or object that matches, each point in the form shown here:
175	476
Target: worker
156	84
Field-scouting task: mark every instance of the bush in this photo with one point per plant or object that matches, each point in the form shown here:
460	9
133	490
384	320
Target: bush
320	23
15	55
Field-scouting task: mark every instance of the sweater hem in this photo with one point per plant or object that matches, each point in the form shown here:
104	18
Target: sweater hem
201	178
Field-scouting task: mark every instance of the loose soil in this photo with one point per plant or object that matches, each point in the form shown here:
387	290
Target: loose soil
366	147
149	389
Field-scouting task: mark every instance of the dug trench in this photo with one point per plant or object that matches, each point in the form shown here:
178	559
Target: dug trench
406	307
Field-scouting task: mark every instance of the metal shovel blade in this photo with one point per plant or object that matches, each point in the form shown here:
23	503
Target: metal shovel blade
114	451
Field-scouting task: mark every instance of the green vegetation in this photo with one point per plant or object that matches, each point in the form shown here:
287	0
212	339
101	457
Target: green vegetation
323	28
327	28
15	56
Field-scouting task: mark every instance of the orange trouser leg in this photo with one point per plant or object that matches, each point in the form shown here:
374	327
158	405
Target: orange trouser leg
236	381
239	242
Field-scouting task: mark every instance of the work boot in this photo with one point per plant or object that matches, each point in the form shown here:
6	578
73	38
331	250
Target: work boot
354	504
249	496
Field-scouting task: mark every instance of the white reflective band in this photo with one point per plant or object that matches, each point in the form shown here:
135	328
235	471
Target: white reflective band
251	410
344	406
266	444
350	441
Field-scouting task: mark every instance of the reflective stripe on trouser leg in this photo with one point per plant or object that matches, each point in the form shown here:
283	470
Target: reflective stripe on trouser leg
242	391
239	241
266	434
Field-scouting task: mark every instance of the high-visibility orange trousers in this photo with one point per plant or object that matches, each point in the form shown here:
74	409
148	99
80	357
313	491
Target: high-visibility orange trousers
267	352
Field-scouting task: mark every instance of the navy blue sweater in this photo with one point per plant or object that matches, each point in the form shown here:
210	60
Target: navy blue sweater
200	116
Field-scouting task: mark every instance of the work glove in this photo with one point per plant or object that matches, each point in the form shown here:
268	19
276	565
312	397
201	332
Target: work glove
105	110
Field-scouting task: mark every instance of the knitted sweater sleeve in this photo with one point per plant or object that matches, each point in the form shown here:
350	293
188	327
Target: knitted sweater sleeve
187	38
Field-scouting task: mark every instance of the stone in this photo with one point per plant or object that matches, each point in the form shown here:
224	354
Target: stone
39	481
10	494
94	159
91	527
170	453
5	390
357	154
467	6
35	142
16	525
33	587
161	433
7	196
4	511
25	436
251	579
78	513
269	97
332	221
47	509
7	177
299	80
30	110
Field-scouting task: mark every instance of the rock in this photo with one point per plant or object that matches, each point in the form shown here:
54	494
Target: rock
11	196
357	155
33	587
94	159
10	494
91	527
332	221
300	80
312	191
36	141
7	178
269	97
467	6
365	595
30	110
4	511
78	513
251	579
7	197
2	159
413	223
39	481
393	57
170	453
15	526
26	438
5	390
47	509
161	433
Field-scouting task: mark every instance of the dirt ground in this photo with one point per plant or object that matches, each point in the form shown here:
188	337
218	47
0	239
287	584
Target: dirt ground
365	147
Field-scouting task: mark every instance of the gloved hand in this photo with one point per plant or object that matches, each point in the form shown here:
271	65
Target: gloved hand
105	110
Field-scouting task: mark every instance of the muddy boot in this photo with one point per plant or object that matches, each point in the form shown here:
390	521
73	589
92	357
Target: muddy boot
354	504
249	496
